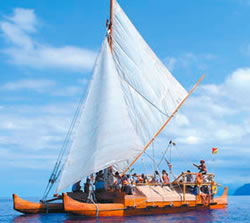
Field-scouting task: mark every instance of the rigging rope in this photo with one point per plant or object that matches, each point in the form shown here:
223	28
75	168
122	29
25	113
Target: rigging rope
56	171
163	154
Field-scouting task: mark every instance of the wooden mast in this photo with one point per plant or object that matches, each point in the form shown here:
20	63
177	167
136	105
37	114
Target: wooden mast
164	125
111	26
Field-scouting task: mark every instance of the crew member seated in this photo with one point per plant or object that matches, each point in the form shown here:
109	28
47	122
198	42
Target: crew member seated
117	183
76	187
126	185
189	177
157	178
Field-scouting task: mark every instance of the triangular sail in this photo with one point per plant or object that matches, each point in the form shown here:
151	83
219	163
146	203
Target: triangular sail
151	92
105	135
130	97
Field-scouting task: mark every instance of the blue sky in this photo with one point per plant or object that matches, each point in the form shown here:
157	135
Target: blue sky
47	51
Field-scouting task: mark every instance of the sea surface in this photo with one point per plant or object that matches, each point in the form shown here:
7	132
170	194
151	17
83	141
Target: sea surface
238	210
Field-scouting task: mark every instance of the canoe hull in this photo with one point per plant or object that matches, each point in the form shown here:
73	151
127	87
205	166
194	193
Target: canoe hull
221	201
140	208
131	206
28	207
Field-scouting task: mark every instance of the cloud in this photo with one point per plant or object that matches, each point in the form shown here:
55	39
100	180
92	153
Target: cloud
232	92
35	128
24	50
217	114
44	86
26	160
68	91
170	63
237	85
188	61
38	85
25	19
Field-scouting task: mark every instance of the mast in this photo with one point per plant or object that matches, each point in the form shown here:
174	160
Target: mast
111	26
164	125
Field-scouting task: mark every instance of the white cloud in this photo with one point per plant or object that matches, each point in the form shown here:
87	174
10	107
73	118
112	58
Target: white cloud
217	114
34	128
45	86
24	50
68	91
237	84
29	84
189	61
170	63
27	160
25	19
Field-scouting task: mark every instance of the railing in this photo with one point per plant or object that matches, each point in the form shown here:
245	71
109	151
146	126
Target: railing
206	180
186	179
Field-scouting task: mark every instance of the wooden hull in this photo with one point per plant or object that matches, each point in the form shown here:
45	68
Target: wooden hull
221	201
138	206
28	207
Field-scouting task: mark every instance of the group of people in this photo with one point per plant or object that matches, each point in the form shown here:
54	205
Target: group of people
108	181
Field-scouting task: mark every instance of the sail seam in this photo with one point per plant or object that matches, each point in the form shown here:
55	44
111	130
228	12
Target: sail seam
126	81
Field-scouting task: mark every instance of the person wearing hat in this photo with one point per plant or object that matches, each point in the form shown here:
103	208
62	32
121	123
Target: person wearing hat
202	167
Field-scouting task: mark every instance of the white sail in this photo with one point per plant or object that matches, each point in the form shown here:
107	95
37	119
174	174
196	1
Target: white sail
130	97
105	135
151	92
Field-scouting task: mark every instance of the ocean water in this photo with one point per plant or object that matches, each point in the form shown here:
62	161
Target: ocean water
237	211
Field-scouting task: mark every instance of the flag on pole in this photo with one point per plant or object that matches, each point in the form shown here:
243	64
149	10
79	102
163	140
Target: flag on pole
214	150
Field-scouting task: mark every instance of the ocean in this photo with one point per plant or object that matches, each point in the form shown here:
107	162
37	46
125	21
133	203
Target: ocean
237	211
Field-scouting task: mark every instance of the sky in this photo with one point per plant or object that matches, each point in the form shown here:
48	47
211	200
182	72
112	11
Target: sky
47	52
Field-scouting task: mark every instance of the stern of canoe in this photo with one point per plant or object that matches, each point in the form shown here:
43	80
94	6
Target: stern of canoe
28	207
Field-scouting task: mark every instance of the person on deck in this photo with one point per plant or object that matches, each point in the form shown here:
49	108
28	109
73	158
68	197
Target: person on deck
117	182
86	186
135	179
91	188
99	176
76	187
165	177
202	167
144	178
126	185
189	177
108	179
99	182
157	178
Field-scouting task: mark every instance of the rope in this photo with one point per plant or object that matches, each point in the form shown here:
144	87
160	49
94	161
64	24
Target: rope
97	209
164	154
46	206
154	163
56	172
